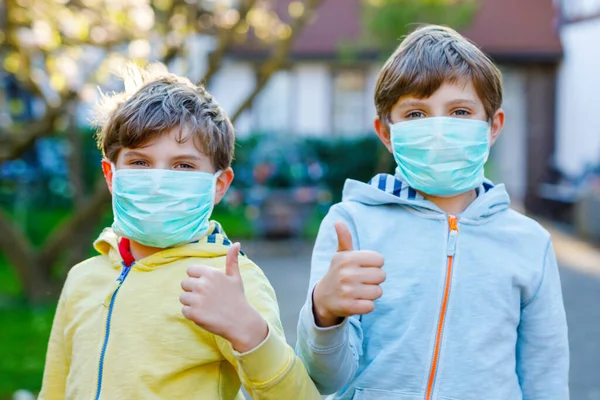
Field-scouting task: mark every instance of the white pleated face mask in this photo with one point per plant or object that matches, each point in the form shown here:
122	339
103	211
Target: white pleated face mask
441	156
162	208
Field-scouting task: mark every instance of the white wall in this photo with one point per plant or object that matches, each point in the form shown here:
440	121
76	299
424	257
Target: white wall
230	86
273	109
372	73
198	48
579	8
578	102
296	101
312	90
509	151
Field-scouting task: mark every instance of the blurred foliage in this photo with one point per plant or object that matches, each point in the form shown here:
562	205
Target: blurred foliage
387	21
43	172
9	283
24	337
348	159
54	54
52	40
340	158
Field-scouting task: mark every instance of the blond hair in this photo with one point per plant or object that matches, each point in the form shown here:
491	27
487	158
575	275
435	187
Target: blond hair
429	57
155	102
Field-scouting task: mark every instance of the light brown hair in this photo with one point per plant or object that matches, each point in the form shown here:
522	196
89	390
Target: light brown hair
154	103
429	57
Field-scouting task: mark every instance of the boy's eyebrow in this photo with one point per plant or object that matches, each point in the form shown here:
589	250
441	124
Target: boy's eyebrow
133	153
462	101
417	103
411	103
188	157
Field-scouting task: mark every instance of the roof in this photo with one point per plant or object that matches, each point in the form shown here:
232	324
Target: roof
517	29
512	30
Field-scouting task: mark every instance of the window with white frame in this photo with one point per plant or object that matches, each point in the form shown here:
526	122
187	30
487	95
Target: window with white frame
272	109
349	102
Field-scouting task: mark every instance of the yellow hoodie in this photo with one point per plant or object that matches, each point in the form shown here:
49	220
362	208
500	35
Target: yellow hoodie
130	341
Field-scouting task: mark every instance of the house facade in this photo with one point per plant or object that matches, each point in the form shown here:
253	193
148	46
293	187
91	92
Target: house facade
578	106
318	94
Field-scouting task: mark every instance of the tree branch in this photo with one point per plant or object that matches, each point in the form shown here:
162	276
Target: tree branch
16	140
224	38
279	55
15	245
89	213
74	158
172	53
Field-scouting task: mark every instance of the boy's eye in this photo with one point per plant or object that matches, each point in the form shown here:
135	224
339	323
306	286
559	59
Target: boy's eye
415	114
138	163
462	113
184	166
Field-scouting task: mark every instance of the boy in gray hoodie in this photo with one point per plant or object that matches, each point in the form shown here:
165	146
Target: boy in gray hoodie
425	284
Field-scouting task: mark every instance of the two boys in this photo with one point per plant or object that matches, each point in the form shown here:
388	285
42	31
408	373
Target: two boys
424	285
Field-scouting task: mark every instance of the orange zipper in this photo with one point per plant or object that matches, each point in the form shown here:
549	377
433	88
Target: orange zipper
451	248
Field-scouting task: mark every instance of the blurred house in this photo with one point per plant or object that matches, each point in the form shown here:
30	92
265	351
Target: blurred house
578	106
321	94
326	88
578	139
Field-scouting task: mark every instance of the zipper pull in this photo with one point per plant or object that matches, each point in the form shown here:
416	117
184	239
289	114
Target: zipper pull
451	247
121	277
124	272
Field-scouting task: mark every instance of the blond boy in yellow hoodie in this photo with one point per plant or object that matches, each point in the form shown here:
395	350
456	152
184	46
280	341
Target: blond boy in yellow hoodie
120	331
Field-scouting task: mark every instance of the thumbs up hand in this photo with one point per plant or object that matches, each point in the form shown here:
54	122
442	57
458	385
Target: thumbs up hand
215	301
351	285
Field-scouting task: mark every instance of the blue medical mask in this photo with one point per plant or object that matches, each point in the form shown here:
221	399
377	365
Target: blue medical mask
441	156
162	208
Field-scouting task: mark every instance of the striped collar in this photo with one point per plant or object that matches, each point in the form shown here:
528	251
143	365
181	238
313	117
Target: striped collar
399	188
216	235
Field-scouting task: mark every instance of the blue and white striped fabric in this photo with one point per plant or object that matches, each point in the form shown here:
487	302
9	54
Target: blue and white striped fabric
216	235
393	185
396	186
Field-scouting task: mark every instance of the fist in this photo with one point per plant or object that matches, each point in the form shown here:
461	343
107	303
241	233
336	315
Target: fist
215	301
351	285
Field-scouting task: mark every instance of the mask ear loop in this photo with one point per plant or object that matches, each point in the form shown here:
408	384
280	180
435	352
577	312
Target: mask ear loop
216	176
113	169
390	123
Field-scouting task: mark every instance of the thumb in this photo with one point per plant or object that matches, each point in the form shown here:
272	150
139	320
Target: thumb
344	237
232	267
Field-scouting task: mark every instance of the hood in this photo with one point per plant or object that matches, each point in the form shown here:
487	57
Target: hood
215	244
393	189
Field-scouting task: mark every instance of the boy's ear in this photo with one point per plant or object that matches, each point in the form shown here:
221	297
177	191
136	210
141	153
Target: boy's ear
223	182
108	173
497	125
383	133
